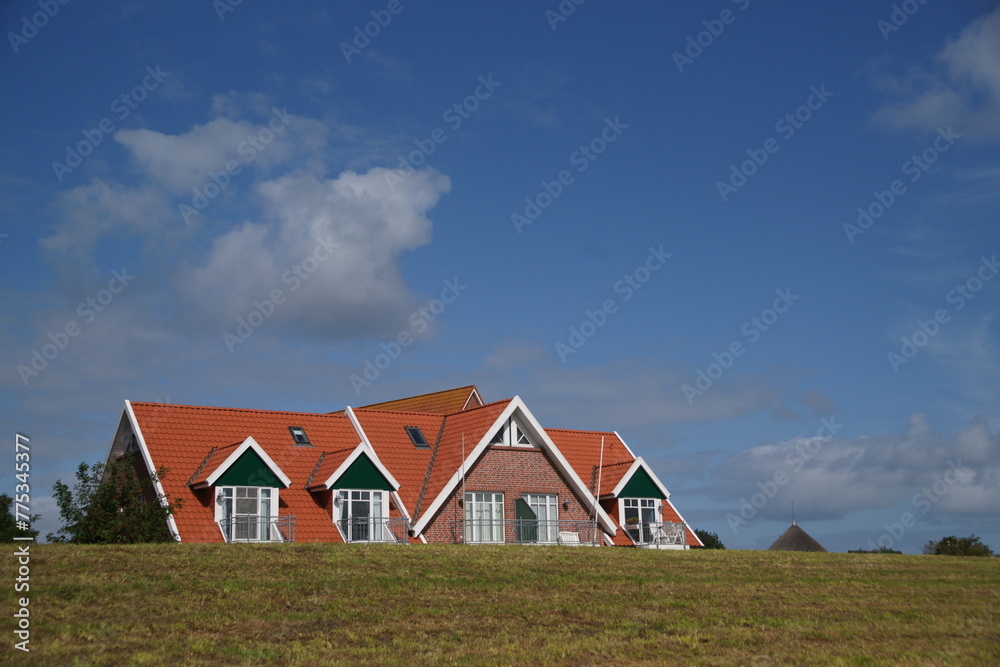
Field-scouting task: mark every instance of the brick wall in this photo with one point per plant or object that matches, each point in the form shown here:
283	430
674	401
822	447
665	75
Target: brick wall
513	471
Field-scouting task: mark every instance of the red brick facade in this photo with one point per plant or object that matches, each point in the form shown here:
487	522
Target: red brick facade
513	471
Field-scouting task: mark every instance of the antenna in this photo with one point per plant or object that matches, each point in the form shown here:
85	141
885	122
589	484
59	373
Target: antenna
793	512
600	471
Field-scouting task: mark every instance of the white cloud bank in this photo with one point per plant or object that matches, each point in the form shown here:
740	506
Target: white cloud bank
962	90
831	478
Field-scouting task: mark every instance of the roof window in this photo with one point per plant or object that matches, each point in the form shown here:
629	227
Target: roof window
416	436
299	435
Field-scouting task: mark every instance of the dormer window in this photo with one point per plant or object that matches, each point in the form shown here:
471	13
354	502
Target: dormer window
417	436
299	435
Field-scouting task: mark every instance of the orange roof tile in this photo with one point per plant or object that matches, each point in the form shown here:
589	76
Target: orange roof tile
583	451
179	437
182	438
444	402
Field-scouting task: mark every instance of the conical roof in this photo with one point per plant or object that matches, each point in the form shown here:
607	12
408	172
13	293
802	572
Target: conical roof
796	539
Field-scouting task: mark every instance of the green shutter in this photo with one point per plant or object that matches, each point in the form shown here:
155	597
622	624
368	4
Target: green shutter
362	474
641	486
249	470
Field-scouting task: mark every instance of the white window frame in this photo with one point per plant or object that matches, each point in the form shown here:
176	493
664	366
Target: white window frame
546	504
265	504
512	434
643	531
362	528
484	517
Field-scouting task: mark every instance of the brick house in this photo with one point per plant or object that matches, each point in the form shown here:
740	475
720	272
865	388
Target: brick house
437	468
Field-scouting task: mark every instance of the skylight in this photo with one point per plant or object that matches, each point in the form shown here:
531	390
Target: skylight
299	435
416	436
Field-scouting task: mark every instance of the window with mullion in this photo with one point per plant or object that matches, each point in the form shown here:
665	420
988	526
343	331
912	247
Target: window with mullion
362	515
484	517
640	518
246	513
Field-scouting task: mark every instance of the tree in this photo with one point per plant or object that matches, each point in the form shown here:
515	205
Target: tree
113	504
710	540
8	525
958	546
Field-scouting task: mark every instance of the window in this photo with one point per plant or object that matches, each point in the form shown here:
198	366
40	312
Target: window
416	436
642	518
512	435
246	514
545	507
362	516
299	435
484	517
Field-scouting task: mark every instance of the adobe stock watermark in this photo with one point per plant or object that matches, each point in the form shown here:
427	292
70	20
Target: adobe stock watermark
121	106
37	21
454	116
752	330
915	167
248	149
958	297
22	516
805	449
294	278
223	7
581	158
364	34
786	126
714	28
627	286
60	339
922	502
562	12
899	17
418	322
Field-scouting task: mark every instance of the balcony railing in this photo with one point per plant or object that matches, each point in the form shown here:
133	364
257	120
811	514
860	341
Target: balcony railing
657	534
370	529
525	531
252	528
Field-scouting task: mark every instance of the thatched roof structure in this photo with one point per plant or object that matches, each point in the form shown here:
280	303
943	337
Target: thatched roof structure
796	539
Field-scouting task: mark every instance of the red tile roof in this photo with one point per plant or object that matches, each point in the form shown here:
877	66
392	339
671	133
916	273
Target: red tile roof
181	438
445	402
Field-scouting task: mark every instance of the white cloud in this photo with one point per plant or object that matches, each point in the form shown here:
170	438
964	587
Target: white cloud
182	162
90	211
834	477
963	90
351	289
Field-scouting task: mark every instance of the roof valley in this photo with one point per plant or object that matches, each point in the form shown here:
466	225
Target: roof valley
430	469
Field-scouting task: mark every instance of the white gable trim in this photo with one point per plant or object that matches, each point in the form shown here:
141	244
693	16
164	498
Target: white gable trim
536	433
474	392
359	451
691	530
640	463
249	443
624	444
360	431
150	466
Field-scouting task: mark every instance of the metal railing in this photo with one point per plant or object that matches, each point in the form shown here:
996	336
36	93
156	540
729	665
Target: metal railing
371	529
655	534
255	528
525	531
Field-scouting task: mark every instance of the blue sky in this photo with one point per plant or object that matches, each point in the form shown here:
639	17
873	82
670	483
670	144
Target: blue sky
758	240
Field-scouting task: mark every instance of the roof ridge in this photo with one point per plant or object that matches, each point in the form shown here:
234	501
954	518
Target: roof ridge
576	430
225	409
432	414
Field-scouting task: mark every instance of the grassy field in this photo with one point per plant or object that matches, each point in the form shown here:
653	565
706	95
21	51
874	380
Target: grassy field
323	604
